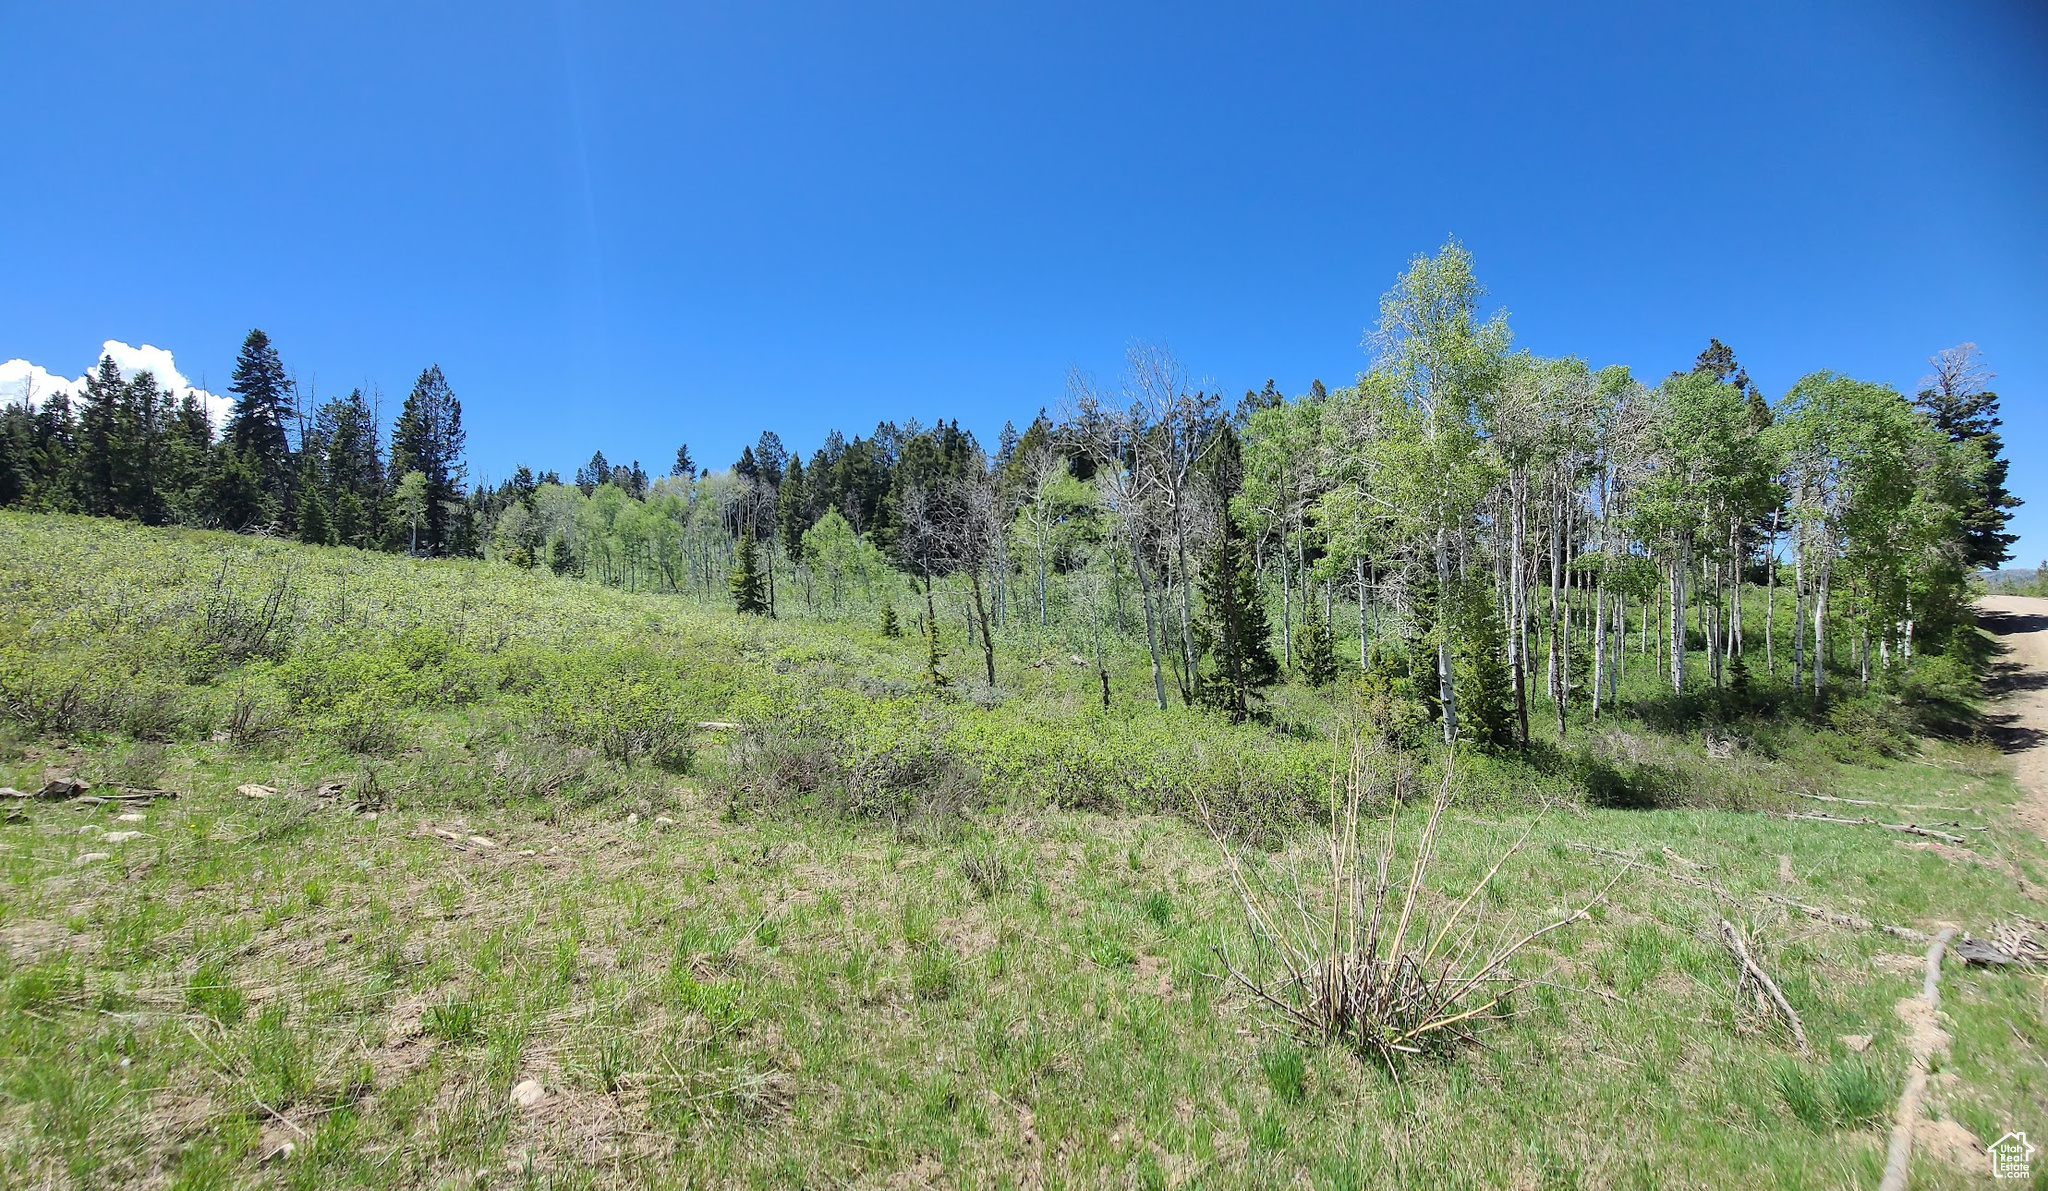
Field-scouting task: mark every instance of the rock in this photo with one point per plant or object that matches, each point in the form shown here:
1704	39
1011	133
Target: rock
1981	953
371	816
483	842
132	817
527	852
89	829
664	821
283	1153
330	789
633	819
86	858
120	837
527	1093
1857	1043
64	786
1077	659
11	792
252	790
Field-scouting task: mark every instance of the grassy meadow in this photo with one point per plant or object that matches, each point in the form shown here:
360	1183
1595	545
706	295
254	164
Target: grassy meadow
875	935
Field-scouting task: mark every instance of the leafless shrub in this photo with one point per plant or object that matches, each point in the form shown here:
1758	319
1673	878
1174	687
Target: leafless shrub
1355	956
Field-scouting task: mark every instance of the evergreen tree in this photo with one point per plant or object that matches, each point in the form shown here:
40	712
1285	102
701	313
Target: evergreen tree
98	462
185	470
792	510
256	430
1318	660
314	527
590	475
685	467
1234	629
141	424
749	590
352	471
559	558
890	627
1486	710
428	438
1960	405
234	492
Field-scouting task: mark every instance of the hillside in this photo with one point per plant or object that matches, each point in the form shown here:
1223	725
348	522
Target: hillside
755	902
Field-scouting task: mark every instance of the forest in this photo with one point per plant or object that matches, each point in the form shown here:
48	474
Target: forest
1469	529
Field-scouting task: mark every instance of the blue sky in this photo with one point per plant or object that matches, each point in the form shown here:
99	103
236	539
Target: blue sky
622	227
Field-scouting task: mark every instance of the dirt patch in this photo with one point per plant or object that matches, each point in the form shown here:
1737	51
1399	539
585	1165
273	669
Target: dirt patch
2021	723
1947	1141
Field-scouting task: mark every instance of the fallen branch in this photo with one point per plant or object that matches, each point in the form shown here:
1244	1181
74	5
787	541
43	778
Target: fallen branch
1906	1118
1897	806
1848	920
1733	938
1908	828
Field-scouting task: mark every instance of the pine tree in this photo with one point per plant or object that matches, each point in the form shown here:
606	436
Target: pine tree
792	510
256	430
1318	660
141	424
1486	711
890	626
1234	629
352	470
1960	405
685	467
98	451
559	559
428	439
590	475
749	590
234	492
314	527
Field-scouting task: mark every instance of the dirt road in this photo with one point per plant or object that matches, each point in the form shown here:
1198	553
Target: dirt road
2020	680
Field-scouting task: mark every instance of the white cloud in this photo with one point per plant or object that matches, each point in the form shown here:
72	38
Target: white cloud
19	378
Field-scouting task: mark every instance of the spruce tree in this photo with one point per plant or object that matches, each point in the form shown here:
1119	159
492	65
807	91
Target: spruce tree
890	626
1318	660
1234	629
256	430
98	466
559	559
1960	405
428	438
314	527
749	591
792	510
685	467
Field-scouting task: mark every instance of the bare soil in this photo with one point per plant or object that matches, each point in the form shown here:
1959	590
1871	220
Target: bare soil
2020	680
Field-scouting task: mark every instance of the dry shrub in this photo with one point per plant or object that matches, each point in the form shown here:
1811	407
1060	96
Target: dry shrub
1353	955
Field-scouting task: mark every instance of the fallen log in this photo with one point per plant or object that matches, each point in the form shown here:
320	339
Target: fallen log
1750	968
1908	828
1906	1118
1848	920
1896	806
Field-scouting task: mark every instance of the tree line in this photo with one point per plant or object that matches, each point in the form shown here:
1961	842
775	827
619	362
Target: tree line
322	472
1496	530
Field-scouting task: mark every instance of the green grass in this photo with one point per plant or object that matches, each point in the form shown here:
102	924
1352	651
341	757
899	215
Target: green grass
808	993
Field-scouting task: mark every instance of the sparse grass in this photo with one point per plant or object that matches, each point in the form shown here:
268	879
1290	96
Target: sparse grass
796	999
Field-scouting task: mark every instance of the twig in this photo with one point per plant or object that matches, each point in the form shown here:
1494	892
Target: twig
1733	938
1906	1118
